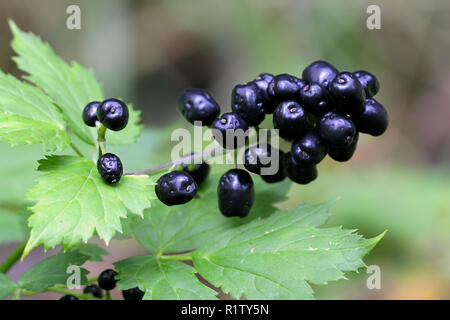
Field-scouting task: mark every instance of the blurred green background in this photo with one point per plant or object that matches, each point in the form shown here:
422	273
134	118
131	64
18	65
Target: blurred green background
147	52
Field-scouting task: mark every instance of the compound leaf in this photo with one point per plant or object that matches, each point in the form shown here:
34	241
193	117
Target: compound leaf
161	279
7	286
277	257
73	202
28	116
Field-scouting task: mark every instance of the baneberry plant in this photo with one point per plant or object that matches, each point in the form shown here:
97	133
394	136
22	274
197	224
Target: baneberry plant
222	220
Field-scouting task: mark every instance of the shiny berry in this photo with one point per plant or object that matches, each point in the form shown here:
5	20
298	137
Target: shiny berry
113	114
230	130
262	81
236	193
309	149
374	120
247	102
198	105
261	159
133	294
369	82
90	113
299	173
345	153
338	130
110	168
94	290
285	87
320	72
176	187
106	279
68	297
199	172
279	174
290	118
348	93
315	99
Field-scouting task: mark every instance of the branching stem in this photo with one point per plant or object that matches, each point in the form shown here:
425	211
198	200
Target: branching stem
12	258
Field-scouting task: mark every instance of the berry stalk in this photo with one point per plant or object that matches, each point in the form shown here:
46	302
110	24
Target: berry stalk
12	258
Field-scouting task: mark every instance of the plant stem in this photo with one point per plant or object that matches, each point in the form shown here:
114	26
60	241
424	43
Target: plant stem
63	291
12	258
101	132
93	279
181	256
77	151
108	295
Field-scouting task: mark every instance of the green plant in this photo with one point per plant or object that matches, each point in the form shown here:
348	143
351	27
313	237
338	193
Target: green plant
270	254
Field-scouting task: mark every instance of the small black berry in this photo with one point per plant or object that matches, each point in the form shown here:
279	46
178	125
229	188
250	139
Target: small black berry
133	294
262	81
315	99
280	173
337	130
348	93
285	87
176	187
94	290
90	113
369	82
198	105
309	149
230	130
110	168
113	114
199	172
247	102
106	279
345	153
68	297
374	120
236	193
290	118
320	72
261	156
299	173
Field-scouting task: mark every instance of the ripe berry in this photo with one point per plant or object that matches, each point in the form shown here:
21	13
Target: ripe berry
290	118
68	297
199	172
280	174
133	294
176	187
90	113
236	193
285	87
110	168
94	290
106	279
230	130
262	81
299	173
113	114
337	130
261	156
345	153
320	72
198	105
348	93
369	82
374	120
315	99
309	149
247	102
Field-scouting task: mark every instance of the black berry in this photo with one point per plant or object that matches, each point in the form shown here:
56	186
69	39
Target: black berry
374	120
198	105
113	114
280	174
199	172
310	149
290	118
369	82
176	187
110	168
337	130
230	130
299	173
133	294
348	93
106	279
90	113
262	81
345	153
68	297
247	102
94	290
315	99
320	72
285	87
236	193
261	156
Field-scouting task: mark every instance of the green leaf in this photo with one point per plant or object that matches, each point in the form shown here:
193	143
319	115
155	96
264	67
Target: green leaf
161	279
27	116
13	226
180	228
70	86
73	202
52	271
7	286
93	251
277	257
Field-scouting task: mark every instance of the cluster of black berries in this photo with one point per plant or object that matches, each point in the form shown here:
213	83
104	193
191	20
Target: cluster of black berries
113	114
106	281
320	114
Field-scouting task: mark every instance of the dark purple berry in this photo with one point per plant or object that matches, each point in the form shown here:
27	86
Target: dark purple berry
374	120
285	87
315	99
345	153
348	93
310	149
338	130
247	102
299	173
175	188
113	114
320	72
236	193
369	82
90	113
110	168
106	279
133	294
290	118
198	105
230	130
